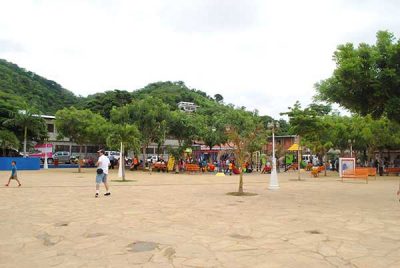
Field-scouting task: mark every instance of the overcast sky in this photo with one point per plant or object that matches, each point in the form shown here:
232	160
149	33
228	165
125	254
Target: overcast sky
264	55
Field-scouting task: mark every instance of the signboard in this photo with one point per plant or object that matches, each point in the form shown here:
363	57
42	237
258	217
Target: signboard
44	148
346	164
41	149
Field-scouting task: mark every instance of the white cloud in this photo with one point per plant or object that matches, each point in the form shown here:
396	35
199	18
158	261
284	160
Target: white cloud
264	55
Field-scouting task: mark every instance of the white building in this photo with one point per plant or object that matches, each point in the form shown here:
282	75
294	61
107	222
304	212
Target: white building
188	107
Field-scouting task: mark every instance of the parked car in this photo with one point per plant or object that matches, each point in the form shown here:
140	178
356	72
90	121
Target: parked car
113	153
63	157
152	159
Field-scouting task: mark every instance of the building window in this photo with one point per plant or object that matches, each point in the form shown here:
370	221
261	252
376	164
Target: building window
60	148
92	149
76	148
149	150
50	128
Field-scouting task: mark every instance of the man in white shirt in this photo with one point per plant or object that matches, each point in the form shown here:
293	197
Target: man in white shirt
102	172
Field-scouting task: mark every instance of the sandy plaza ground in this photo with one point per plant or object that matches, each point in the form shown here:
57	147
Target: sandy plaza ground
187	220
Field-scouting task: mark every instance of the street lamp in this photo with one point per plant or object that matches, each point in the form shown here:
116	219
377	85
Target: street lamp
273	182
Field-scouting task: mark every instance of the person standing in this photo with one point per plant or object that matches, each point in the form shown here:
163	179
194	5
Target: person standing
102	173
112	160
13	174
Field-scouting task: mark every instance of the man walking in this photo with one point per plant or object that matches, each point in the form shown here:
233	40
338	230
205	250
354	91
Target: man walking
102	172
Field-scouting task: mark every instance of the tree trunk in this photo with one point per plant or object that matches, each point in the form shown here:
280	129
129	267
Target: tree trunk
325	165
79	161
240	191
25	138
144	156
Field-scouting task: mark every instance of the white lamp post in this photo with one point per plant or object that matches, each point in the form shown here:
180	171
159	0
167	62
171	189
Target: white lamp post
273	182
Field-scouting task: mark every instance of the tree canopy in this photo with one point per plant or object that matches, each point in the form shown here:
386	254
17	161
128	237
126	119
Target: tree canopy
367	78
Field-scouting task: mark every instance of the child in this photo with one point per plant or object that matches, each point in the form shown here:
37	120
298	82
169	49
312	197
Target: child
13	174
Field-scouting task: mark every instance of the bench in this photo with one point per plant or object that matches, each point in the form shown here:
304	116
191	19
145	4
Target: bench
160	166
358	173
316	170
293	166
192	168
371	171
391	170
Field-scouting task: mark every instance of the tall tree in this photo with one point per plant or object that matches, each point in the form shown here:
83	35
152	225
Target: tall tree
78	126
29	120
243	131
149	115
127	135
309	123
366	79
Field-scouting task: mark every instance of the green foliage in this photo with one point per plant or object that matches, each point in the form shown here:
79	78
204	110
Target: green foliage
213	130
366	79
126	134
8	140
246	133
172	93
81	126
28	123
46	95
218	98
9	104
184	127
305	121
103	103
149	115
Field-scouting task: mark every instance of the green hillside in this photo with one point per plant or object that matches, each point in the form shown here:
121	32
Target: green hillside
19	85
45	95
170	93
174	92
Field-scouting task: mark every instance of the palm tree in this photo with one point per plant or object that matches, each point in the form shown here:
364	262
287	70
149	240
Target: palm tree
126	135
27	119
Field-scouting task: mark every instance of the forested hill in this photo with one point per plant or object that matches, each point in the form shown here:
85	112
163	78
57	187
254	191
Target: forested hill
18	85
45	95
170	93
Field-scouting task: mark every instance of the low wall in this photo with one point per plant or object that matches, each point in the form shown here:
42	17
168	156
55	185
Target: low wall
22	163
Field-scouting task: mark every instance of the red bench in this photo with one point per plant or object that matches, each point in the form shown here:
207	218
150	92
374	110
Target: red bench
192	167
358	173
316	170
391	170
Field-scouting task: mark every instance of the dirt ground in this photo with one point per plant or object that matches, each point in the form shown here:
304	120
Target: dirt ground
187	220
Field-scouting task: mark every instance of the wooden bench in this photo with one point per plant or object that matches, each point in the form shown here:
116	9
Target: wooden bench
371	170
292	167
192	168
391	170
358	173
316	170
160	166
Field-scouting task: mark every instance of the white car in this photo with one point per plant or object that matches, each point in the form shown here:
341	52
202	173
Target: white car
152	159
113	153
